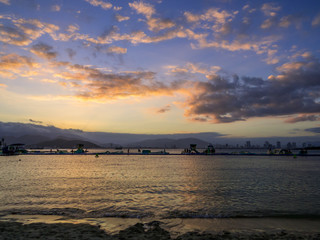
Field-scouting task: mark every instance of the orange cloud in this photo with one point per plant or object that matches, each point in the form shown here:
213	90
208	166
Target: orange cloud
7	2
23	32
143	8
43	50
219	18
72	28
56	8
117	8
92	84
121	18
303	118
118	50
258	46
267	23
291	66
13	65
227	99
195	68
97	3
270	9
137	37
157	24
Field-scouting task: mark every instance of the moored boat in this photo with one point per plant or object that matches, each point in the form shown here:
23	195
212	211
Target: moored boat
14	149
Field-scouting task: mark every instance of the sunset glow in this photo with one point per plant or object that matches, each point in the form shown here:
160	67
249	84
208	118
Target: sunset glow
238	68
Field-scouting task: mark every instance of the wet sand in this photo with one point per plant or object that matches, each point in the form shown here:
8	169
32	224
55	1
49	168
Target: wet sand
57	227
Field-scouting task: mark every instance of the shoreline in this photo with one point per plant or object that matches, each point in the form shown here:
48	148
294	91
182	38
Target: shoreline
51	226
162	154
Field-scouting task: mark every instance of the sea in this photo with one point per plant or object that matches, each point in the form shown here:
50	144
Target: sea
160	186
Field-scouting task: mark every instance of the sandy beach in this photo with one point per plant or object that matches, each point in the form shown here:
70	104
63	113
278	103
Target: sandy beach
57	227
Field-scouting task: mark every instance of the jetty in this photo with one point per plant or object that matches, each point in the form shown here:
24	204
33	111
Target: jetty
18	149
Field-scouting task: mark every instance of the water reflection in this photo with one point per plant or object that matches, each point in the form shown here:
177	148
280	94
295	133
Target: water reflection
167	186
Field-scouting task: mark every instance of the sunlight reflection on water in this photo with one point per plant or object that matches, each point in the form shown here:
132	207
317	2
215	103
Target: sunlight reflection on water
168	186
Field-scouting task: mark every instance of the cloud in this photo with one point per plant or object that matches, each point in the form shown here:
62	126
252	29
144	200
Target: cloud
200	119
268	23
93	84
71	52
212	14
49	81
117	8
313	130
164	109
192	17
121	18
157	24
102	4
72	28
247	8
259	46
43	50
24	31
56	8
154	24
220	99
117	50
194	68
34	121
316	20
303	118
7	2
284	22
13	65
296	90
143	8
272	58
137	37
13	36
215	15
270	9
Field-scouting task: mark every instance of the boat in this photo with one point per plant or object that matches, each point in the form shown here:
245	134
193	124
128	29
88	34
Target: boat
210	150
80	149
149	152
193	150
14	149
303	152
279	151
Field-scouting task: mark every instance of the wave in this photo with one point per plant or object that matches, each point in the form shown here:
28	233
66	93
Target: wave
78	213
235	214
103	213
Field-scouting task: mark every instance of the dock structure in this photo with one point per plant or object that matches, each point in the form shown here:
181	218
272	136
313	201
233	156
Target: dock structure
158	153
18	149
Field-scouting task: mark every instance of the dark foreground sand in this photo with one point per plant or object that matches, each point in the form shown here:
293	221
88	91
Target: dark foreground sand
151	230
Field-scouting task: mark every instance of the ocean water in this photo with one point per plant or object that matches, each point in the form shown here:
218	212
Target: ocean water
160	186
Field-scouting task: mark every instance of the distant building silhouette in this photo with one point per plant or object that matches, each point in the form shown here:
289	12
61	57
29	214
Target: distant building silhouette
267	145
294	145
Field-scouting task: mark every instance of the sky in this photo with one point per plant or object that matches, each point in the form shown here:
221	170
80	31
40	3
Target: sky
237	68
